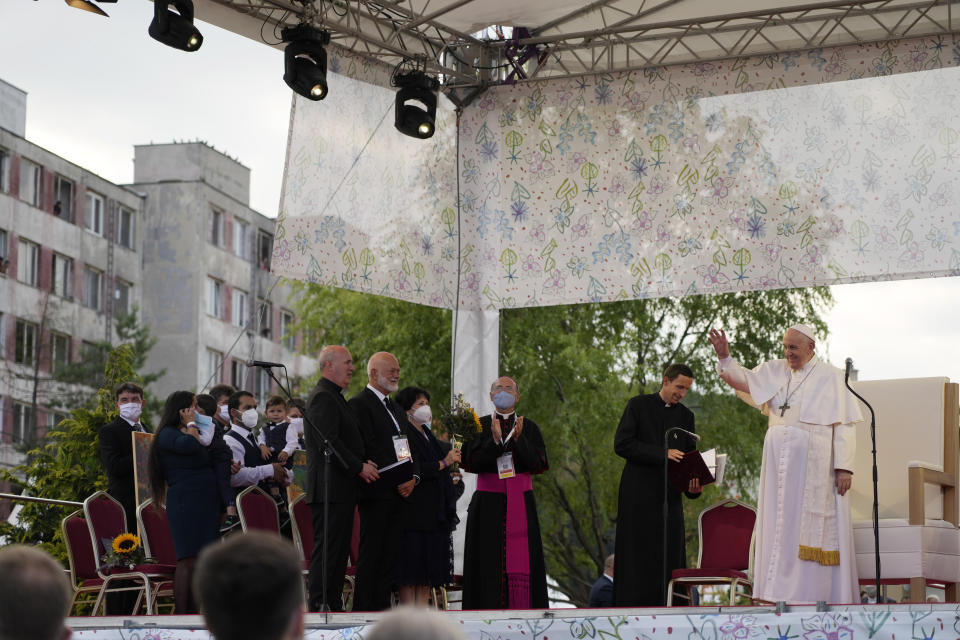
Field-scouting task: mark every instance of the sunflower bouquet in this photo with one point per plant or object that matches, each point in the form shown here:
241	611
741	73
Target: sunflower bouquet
125	551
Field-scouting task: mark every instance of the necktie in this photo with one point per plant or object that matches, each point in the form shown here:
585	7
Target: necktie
388	403
252	440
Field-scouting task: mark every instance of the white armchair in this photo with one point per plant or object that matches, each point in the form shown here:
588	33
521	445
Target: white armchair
918	455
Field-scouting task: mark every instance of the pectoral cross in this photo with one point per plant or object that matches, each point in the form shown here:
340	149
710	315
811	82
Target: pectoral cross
783	408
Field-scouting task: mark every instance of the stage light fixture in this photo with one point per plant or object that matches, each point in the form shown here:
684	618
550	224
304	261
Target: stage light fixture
415	109
305	60
175	28
88	5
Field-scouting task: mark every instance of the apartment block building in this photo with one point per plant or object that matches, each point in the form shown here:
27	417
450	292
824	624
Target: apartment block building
70	263
181	245
208	293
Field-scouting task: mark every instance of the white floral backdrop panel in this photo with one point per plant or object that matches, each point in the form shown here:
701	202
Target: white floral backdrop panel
359	198
877	622
791	170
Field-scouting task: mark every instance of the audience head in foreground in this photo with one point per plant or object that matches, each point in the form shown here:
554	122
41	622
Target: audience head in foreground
34	595
409	623
251	587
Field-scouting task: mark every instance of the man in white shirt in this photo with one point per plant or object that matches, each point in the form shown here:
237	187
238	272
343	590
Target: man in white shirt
244	447
804	540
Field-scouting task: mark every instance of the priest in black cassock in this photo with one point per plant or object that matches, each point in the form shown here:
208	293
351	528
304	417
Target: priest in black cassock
505	456
640	581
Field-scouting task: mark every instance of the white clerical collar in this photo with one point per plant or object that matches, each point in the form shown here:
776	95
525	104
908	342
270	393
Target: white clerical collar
504	416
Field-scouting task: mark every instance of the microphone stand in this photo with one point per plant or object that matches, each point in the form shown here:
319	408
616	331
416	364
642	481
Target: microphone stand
327	448
876	501
666	510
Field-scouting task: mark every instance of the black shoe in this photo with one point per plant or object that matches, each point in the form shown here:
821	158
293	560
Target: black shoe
230	523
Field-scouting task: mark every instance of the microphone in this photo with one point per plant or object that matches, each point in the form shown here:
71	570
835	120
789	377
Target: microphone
846	375
261	363
682	430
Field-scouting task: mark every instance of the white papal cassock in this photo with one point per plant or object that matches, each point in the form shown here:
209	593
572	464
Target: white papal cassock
804	540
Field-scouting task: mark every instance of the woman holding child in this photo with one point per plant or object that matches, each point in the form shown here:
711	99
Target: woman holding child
181	472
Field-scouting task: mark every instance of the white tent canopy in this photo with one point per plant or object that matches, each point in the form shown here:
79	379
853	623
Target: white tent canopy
571	37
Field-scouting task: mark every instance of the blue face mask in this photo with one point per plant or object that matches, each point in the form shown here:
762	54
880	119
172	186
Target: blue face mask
203	422
503	400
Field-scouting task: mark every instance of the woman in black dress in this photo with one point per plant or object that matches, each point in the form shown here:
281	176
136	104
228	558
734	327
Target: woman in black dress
180	471
431	511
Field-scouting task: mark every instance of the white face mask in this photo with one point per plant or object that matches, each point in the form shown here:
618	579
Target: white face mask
297	425
423	415
131	411
249	418
225	413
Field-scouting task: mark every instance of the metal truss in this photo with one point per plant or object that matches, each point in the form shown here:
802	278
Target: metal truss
604	36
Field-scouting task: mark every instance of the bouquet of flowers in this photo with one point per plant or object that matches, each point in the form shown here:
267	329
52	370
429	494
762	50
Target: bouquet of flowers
125	552
461	422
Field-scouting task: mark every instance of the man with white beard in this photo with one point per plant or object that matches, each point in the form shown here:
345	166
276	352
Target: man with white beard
381	504
804	539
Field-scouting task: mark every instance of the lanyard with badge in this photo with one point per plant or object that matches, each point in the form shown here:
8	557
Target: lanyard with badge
401	447
505	466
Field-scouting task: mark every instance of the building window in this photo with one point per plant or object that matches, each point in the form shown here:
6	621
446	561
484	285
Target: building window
125	227
215	298
240	239
264	249
4	170
263	384
28	262
26	343
237	371
30	182
94	221
54	418
92	351
265	318
59	352
22	422
62	276
4	252
216	227
63	198
92	286
239	308
214	360
286	330
121	297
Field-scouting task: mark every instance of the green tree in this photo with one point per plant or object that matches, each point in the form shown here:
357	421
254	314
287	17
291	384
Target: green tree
79	379
418	336
576	367
66	464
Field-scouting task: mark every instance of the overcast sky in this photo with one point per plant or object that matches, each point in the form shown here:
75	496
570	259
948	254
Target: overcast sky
97	86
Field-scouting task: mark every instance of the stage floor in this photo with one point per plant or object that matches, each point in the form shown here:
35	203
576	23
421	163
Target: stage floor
940	621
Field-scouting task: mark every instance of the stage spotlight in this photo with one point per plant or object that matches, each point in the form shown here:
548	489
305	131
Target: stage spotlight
175	29
305	60
87	5
416	104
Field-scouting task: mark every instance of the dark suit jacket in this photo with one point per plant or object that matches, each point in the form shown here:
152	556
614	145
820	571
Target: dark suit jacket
378	430
116	454
601	595
328	412
433	503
